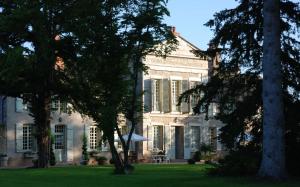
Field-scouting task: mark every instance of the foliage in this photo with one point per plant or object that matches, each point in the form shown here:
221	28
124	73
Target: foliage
101	160
197	156
191	161
29	51
243	161
107	61
52	160
85	155
236	81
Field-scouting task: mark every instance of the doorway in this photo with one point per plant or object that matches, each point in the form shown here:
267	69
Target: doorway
179	142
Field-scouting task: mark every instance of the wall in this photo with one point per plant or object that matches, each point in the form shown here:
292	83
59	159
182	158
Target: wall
75	121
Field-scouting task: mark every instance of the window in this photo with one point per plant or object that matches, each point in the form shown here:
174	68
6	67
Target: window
27	137
55	105
124	130
212	109
174	95
213	138
194	98
195	137
63	107
60	106
21	105
156	95
158	137
59	137
93	137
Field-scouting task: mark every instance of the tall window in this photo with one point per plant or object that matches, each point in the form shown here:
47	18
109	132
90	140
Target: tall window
55	105
213	138
59	137
21	105
174	95
158	137
156	95
60	106
63	107
124	130
195	137
27	137
194	98
93	137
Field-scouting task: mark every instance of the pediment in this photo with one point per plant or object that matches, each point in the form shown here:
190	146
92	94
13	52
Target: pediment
184	49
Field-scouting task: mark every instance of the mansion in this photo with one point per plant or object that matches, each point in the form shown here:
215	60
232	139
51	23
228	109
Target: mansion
167	126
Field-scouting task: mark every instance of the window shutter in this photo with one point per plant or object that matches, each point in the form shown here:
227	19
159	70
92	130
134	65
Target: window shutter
70	139
172	142
187	142
204	78
87	134
19	105
147	95
185	105
161	97
153	100
19	137
167	140
166	95
150	137
34	138
219	145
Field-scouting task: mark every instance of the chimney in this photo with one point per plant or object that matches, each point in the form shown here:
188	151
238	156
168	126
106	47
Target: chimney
173	30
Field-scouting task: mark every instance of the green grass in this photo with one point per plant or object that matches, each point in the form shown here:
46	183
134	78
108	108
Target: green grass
144	176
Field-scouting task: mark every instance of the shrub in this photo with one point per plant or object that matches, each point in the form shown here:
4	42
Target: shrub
111	161
85	155
243	161
101	160
197	156
191	161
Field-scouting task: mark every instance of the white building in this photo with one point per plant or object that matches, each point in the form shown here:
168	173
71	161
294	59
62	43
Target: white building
168	127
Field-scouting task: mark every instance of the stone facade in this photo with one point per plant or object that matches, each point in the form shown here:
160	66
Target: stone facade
170	128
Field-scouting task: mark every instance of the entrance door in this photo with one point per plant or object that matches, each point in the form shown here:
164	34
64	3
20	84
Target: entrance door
179	142
60	143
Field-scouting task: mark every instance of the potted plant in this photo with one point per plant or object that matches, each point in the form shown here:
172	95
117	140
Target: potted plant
3	160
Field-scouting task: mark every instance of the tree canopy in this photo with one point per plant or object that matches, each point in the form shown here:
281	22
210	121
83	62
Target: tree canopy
236	81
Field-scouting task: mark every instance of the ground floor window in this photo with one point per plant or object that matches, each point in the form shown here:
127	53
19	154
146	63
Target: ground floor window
195	137
94	139
213	138
158	137
27	137
59	137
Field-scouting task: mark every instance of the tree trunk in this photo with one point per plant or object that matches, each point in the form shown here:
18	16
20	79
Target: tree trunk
119	165
41	114
273	156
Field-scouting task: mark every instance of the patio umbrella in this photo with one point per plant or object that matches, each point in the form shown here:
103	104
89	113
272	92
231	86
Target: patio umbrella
134	138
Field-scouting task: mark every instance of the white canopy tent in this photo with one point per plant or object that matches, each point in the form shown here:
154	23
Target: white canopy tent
134	138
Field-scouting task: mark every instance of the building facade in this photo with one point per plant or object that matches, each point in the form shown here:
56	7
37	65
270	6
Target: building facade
168	127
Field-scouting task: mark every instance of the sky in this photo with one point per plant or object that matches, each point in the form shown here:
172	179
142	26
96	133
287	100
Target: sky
189	17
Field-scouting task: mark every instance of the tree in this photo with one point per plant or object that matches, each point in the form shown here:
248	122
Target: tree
28	56
236	83
108	62
273	157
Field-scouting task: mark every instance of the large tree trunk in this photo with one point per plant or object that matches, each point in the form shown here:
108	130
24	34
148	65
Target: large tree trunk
273	156
41	114
119	165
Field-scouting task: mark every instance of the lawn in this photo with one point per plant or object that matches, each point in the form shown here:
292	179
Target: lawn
145	175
